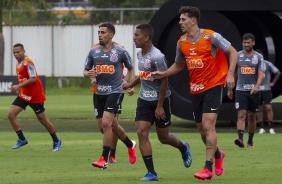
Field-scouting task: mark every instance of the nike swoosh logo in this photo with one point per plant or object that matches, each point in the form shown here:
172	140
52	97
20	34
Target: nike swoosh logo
110	108
212	109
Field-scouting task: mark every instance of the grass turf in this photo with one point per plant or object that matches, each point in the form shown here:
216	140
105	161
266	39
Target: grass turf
35	163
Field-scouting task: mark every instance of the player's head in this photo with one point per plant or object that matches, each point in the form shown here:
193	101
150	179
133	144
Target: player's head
248	42
19	52
143	34
189	17
106	33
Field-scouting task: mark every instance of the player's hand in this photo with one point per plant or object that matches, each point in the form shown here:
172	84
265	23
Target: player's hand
159	113
15	88
155	75
230	94
125	85
254	90
229	81
130	91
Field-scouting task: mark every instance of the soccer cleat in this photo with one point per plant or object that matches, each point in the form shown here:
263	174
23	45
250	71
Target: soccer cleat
132	153
203	174
150	177
271	131
100	163
56	146
261	131
218	166
20	143
239	143
186	156
250	146
112	160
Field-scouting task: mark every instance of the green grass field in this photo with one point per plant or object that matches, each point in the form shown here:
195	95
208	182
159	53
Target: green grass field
35	163
73	118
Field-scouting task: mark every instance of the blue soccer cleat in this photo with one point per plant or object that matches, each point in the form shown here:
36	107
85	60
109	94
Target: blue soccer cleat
56	146
20	143
186	156
150	177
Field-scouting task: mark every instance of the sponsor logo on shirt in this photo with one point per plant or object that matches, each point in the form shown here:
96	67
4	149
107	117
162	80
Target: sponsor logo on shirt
104	88
194	63
105	69
150	94
248	86
144	75
248	70
197	87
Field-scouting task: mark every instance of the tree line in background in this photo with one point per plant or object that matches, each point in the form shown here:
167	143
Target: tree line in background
40	12
97	11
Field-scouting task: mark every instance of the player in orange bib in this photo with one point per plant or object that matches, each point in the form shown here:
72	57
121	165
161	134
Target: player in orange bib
30	93
201	51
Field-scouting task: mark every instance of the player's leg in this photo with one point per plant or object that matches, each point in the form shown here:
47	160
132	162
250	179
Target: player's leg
17	106
165	137
40	112
130	144
241	105
269	111
252	110
260	113
143	129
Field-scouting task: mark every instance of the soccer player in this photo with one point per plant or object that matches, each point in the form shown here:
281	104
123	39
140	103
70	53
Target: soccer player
104	67
266	94
30	93
153	105
250	73
202	51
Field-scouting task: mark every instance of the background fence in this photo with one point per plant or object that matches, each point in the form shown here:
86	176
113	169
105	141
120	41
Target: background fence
60	51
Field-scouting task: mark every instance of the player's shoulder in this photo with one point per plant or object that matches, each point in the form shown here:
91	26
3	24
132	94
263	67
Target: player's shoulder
118	45
156	53
95	45
28	60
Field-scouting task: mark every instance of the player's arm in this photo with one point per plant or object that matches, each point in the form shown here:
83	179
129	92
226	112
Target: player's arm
275	78
159	112
172	70
133	83
261	75
230	78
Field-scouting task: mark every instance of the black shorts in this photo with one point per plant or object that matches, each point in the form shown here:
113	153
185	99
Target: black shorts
110	103
37	108
145	111
265	97
208	101
245	101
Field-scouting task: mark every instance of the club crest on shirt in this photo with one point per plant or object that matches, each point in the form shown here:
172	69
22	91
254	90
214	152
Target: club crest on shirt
114	56
255	59
147	63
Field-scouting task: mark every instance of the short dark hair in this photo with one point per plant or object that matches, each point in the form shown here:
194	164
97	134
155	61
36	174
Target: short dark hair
247	36
191	12
19	45
146	29
109	26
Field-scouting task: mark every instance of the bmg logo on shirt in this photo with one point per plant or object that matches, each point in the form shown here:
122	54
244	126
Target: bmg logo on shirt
248	70
105	69
194	63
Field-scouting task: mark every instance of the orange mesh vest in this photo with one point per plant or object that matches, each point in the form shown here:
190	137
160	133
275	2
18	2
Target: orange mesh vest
33	93
205	70
95	45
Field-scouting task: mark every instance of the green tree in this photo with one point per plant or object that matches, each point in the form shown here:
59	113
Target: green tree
30	6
